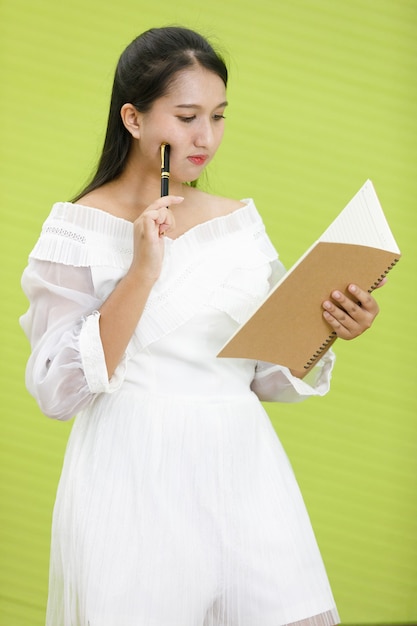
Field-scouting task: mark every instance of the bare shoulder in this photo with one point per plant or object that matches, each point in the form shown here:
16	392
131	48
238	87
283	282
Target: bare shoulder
215	205
228	205
97	199
105	199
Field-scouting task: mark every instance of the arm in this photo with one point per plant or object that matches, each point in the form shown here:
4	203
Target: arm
120	313
78	343
57	323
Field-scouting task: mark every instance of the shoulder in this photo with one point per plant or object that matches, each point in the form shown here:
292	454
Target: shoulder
101	200
213	204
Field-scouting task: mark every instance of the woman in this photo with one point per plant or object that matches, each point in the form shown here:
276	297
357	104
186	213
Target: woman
177	505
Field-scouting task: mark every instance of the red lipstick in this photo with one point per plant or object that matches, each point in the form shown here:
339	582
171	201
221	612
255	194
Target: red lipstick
198	159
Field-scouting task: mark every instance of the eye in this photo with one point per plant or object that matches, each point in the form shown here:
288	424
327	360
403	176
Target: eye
186	119
218	116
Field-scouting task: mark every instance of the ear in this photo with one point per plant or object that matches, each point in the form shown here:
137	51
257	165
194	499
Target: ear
131	119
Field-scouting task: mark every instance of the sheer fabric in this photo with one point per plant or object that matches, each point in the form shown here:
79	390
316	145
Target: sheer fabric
177	505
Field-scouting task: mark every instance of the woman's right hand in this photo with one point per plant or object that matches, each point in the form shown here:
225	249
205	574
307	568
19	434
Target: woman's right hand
121	312
149	228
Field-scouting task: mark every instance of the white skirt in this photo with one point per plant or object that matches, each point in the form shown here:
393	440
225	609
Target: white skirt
179	512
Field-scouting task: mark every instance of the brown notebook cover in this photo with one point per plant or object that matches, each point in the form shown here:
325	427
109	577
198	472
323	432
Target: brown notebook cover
288	328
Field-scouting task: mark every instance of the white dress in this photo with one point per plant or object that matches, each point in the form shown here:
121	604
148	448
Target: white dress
177	505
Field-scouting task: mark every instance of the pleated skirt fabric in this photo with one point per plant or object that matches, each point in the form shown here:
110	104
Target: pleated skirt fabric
174	511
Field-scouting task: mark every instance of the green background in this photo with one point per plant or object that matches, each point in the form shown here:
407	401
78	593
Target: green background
322	97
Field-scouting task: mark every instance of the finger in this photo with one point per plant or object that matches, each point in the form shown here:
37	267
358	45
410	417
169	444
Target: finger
159	216
353	308
156	220
153	224
364	299
166	221
381	283
163	216
164	201
350	317
342	323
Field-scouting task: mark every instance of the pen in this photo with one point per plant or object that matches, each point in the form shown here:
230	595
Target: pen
165	149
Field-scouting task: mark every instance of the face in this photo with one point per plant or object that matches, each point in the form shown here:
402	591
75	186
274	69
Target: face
190	118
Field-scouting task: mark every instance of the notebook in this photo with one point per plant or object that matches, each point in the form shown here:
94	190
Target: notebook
288	327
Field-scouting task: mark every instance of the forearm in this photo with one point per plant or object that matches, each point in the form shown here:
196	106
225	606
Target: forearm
120	314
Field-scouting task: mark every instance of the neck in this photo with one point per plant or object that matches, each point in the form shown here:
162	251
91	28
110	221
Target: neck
138	186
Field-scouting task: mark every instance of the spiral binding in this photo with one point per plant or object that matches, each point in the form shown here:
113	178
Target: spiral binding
381	278
316	356
320	351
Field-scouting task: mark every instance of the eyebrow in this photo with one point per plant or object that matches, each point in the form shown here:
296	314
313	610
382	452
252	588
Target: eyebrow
198	106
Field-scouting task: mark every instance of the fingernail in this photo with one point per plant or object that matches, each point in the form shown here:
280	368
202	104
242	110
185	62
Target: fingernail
337	295
352	288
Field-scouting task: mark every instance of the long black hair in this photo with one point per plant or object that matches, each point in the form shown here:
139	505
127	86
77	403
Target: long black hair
143	74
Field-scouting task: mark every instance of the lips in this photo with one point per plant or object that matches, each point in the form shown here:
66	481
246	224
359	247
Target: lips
198	159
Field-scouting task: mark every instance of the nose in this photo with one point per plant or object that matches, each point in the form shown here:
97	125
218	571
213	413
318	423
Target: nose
204	136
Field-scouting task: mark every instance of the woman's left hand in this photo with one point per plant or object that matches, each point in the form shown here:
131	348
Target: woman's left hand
348	316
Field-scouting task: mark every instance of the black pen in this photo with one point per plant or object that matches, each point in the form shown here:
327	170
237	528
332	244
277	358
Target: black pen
165	149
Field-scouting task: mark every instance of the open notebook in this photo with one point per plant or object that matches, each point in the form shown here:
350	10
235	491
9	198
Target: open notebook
288	327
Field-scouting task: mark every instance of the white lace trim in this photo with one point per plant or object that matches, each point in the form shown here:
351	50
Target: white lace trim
82	236
64	232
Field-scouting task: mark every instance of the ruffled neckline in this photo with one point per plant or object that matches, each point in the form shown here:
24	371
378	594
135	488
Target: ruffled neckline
74	234
99	220
223	262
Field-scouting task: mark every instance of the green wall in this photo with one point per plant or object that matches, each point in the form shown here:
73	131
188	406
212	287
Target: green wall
322	97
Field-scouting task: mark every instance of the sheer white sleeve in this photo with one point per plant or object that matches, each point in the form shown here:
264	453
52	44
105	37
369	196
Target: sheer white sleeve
275	383
66	369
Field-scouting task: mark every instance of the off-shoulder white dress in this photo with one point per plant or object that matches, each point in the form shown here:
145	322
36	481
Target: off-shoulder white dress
177	505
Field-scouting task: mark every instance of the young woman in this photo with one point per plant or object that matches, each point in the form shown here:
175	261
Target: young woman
177	505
